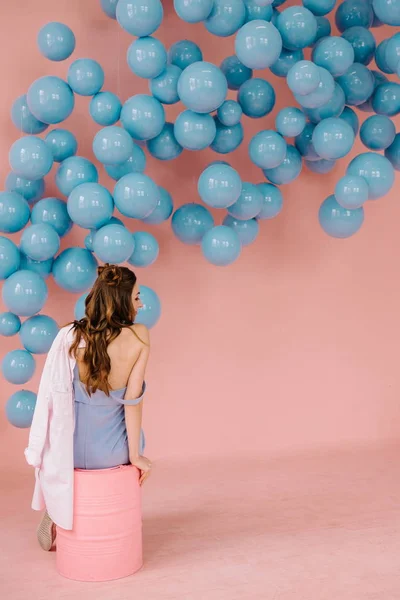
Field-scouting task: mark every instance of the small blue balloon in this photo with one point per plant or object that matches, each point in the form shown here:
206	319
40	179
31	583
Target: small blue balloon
147	57
25	293
290	122
380	57
288	170
112	145
40	242
323	28
10	324
386	99
165	87
387	11
113	244
136	163
376	170
393	152
80	307
62	144
339	222
38	333
30	157
221	245
56	41
194	131
143	117
20	408
321	166
163	210
333	53
351	191
267	149
297	26
229	113
18	366
30	190
75	270
258	12
139	17
333	108
304	143
105	108
319	8
50	99
184	53
14	212
363	43
202	87
272	201
247	230
285	62
52	211
9	257
23	119
226	17
351	118
193	11
258	44
219	186
357	83
303	78
165	145
256	98
236	73
227	139
109	7
392	53
85	77
136	195
322	95
377	132
41	267
146	249
249	203
90	205
351	13
150	312
333	138
190	222
73	171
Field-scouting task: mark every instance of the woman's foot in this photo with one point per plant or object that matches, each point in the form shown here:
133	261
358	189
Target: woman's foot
46	532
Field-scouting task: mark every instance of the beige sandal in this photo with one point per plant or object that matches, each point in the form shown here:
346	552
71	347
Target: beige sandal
46	532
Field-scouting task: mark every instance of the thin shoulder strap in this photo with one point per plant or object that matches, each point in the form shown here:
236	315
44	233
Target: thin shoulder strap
136	335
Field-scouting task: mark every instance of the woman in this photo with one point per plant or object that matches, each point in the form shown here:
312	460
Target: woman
88	413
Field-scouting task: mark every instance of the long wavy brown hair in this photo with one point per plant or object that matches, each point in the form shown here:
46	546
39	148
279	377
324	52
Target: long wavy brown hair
108	310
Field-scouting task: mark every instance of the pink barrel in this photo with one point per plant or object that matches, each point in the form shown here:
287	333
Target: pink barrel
106	540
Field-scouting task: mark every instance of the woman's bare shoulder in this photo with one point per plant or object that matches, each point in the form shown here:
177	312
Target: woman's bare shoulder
141	332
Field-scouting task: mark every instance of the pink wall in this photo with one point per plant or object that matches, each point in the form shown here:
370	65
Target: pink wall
296	345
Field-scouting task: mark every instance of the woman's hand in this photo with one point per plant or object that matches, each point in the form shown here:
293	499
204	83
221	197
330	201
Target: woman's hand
144	465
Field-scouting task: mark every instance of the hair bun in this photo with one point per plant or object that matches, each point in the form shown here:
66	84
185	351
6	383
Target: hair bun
110	274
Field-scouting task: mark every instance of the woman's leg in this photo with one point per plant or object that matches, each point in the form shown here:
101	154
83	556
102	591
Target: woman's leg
46	532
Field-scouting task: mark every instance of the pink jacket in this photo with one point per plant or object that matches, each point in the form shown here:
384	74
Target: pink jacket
51	438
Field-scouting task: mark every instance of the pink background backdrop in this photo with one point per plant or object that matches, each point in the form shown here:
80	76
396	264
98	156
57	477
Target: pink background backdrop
295	346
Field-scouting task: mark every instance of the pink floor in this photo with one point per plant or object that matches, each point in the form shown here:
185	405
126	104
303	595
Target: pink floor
323	526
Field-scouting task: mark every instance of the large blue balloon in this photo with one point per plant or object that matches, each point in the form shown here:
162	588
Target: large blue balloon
164	146
31	190
136	195
105	108
90	205
146	249
75	270
333	108
85	77
165	87
357	83
18	366
351	118
323	28
194	131
109	7
193	11
136	163
304	143
202	87
267	149
112	145
113	244
387	11
150	312
227	138
147	57
139	17
377	132
38	333
392	53
190	222
386	99
80	307
290	122
9	257
297	26
10	324
30	157
52	211
236	73
285	62
62	144
229	113
249	203
221	245
23	119
393	152
219	186
25	293
319	8
351	191
363	43
376	170
14	212
143	117
335	54
184	53
272	201
40	242
226	17
163	210
20	408
73	171
50	99
339	222
322	95
247	230
41	267
258	44
256	11
256	98
288	170
351	13
303	78
380	57
56	41
333	138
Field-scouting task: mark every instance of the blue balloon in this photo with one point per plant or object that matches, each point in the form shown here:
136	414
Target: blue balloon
23	119
297	26
165	87
85	77
190	222
351	191
235	72
14	212
333	138
109	7
363	43
303	78
256	98
378	79
272	201
52	211
353	13
335	54
112	145
357	83
227	139
219	186
40	242
339	222
80	307
333	108
165	145
56	41
18	366
376	170
221	245
288	170
62	144
38	333
105	108
323	28
258	12
41	267
136	163
387	11
226	17
184	53
9	257
392	53
194	131
393	152
247	230
146	249
267	149
386	99
31	190
202	87
50	99
147	57
150	312
193	11
75	270
380	57
139	17
304	143
322	95
377	132
10	324
285	62
136	195
30	157
229	113
290	122
90	205
249	203
163	210
351	118
143	117
20	408
113	244
73	171
25	293
321	166
258	44
319	8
